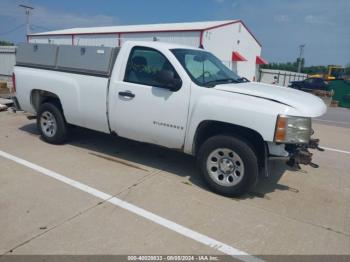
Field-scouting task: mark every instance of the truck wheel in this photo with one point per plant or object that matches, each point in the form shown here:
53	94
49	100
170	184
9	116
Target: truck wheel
51	124
228	165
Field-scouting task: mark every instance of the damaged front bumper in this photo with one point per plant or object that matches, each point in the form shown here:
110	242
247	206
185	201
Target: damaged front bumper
300	154
294	154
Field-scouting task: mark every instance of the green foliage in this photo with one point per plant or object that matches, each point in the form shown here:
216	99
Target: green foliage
347	70
311	70
289	66
6	43
282	66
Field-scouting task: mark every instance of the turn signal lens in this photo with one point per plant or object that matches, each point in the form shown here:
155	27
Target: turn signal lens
280	133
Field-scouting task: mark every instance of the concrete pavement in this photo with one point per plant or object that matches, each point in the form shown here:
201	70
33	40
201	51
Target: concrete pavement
292	212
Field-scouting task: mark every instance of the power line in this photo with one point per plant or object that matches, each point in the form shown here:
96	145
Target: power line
40	27
12	30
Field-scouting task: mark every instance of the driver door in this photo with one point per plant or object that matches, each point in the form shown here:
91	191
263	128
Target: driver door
144	110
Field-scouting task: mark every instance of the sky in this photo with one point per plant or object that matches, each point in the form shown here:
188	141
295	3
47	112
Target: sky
280	25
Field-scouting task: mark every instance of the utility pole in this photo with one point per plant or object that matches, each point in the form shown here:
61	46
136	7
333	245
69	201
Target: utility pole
301	53
28	10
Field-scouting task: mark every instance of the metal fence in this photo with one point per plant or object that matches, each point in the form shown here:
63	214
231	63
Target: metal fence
7	61
279	77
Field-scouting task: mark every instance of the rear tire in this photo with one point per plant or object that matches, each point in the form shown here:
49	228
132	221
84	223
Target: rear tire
228	165
51	124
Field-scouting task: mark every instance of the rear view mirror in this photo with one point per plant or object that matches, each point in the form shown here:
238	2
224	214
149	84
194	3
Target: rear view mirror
199	58
167	79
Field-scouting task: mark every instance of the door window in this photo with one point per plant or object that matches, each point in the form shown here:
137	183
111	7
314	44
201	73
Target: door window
144	66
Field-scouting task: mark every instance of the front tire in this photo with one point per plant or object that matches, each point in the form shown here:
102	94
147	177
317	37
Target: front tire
51	124
228	164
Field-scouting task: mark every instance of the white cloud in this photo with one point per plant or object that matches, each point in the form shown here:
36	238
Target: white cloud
53	19
50	18
235	4
312	19
281	18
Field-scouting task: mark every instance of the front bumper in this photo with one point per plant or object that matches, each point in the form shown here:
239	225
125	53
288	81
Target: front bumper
300	154
294	154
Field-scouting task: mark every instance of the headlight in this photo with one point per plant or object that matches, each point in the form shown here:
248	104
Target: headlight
293	129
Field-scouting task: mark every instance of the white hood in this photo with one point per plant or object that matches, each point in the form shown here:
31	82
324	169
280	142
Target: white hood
307	104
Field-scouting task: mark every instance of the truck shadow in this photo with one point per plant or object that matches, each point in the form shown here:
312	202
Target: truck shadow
270	184
147	156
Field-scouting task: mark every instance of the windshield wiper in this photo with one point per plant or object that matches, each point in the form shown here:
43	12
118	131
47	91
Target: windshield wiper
219	81
242	80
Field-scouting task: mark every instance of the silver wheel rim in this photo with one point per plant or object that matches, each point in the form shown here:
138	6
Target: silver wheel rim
225	167
48	124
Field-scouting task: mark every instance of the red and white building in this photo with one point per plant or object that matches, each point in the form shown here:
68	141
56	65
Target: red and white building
231	41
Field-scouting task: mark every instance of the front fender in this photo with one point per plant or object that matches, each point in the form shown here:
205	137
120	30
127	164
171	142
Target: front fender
250	112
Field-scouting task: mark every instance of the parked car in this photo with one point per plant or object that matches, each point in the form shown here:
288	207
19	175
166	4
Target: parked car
174	96
308	84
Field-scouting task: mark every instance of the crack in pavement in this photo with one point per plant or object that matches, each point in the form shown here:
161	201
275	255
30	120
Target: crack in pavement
304	222
298	220
114	159
239	201
140	181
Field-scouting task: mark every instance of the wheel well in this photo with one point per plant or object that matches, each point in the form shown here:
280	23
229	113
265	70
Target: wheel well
207	129
38	97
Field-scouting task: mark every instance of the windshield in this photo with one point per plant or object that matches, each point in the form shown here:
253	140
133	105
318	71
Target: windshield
204	68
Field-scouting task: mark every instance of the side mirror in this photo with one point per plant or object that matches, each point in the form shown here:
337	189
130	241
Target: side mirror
167	79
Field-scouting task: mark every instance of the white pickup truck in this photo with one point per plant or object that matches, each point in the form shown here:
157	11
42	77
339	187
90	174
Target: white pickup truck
174	96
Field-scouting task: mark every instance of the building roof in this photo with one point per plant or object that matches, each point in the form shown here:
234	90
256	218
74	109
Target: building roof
169	27
191	26
165	45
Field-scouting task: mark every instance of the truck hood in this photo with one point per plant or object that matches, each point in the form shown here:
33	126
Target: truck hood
307	104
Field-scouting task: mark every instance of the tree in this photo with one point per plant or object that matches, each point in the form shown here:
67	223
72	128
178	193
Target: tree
289	66
347	70
5	43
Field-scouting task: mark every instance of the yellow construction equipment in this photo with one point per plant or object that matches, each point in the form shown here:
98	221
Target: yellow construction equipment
333	72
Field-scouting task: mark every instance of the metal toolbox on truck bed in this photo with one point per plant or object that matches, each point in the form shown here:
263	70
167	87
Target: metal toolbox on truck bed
40	55
75	59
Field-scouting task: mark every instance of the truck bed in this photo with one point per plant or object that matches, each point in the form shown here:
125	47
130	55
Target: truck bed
78	75
83	97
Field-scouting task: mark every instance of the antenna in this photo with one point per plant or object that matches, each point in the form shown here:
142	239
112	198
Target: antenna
28	10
